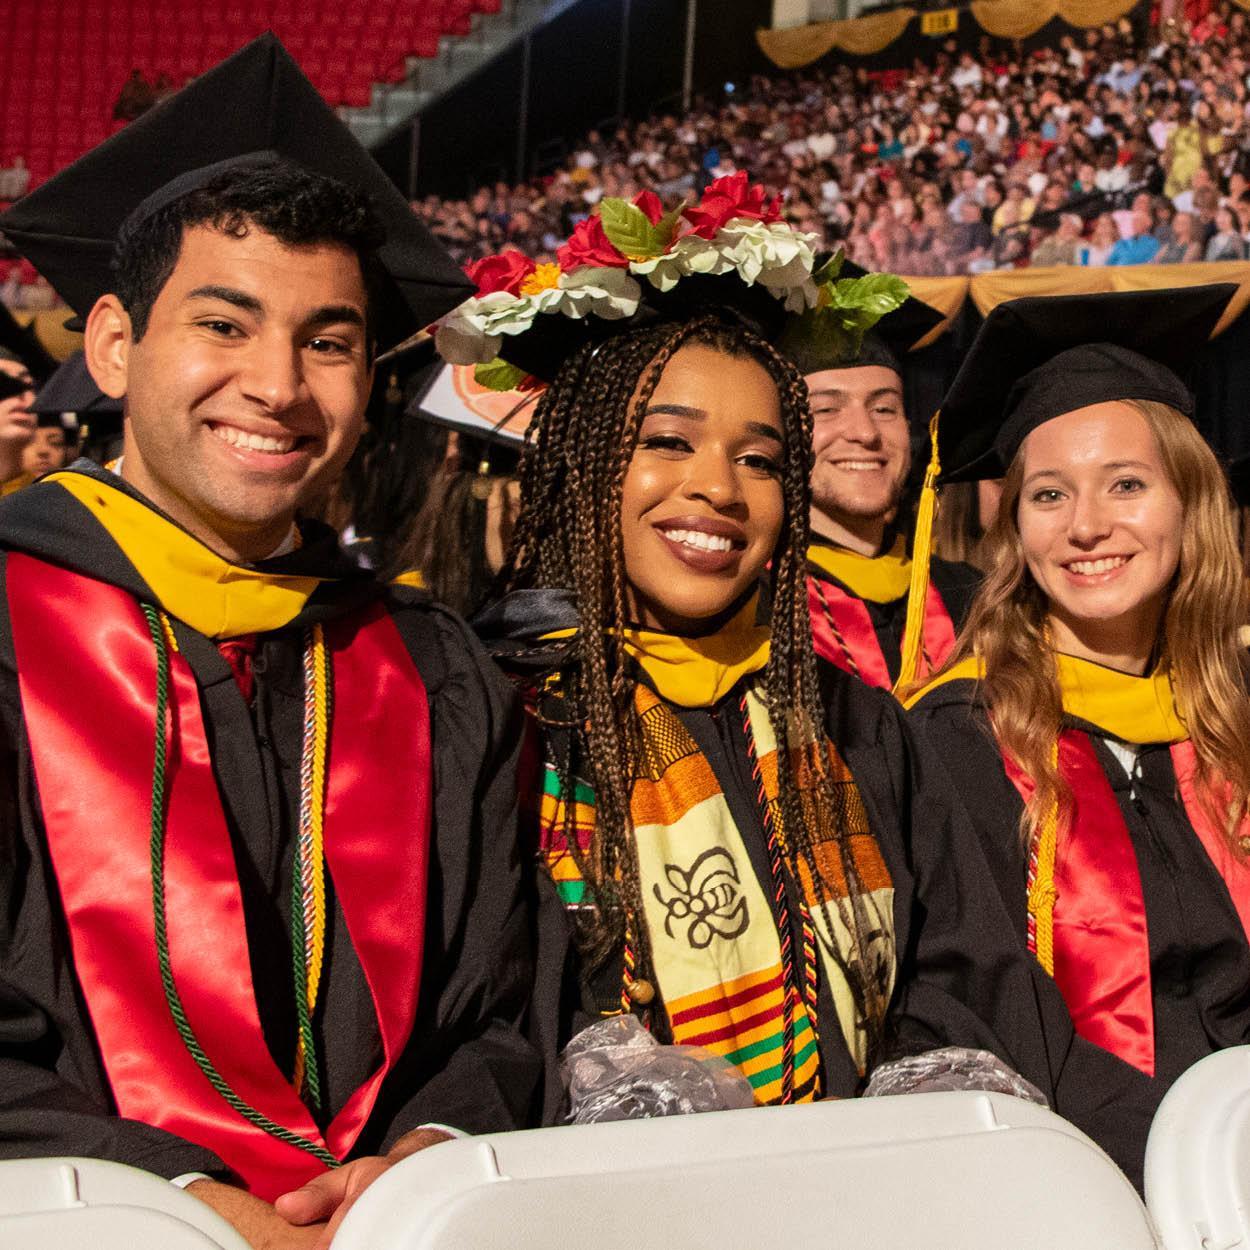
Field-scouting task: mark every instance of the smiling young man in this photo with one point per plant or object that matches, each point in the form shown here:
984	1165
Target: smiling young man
312	955
858	566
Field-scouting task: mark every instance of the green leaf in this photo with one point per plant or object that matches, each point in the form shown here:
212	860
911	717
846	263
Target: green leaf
830	269
498	375
666	227
630	231
869	298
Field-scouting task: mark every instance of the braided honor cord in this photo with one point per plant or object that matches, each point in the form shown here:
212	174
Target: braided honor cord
157	626
781	917
308	882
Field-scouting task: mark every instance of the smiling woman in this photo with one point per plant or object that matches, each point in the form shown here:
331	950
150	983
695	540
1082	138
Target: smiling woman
1094	714
742	838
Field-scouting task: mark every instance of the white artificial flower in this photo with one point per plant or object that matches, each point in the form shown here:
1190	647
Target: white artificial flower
470	334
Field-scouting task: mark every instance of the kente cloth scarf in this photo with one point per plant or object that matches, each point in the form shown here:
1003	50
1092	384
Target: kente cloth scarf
716	951
1095	911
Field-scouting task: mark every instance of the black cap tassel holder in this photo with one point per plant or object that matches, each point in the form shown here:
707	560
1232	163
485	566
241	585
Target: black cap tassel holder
1037	358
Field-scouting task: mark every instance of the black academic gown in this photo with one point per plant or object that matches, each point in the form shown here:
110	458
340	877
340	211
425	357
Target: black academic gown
944	920
1199	958
956	584
466	1065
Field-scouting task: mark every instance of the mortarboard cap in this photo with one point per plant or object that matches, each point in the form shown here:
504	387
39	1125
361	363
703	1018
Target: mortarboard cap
22	342
72	389
885	344
255	105
453	398
1035	359
549	341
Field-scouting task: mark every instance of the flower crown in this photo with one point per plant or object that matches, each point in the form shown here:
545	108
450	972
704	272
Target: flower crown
734	228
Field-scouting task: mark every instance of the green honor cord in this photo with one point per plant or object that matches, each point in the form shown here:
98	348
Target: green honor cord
172	999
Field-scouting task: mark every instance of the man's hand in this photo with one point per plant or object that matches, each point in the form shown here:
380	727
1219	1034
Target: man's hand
254	1219
327	1198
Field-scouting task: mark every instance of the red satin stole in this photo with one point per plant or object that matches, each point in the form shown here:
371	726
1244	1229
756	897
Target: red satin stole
1236	872
1102	946
87	676
1102	949
854	647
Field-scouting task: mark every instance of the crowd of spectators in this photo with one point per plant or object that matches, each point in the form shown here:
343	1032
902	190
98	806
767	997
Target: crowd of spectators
1105	150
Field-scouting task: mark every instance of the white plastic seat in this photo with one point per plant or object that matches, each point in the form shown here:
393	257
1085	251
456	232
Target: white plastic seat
945	1171
88	1204
1198	1156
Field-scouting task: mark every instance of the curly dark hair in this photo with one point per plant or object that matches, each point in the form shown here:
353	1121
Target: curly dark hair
568	536
281	198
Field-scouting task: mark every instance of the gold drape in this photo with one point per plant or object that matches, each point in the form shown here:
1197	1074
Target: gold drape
860	36
1018	19
947	295
988	290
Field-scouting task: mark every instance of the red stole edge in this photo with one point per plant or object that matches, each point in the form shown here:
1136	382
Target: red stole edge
72	633
827	600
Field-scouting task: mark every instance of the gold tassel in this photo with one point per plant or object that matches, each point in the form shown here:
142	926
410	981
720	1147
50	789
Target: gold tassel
922	547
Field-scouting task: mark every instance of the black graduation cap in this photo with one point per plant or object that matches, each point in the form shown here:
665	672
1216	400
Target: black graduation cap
257	104
885	344
450	397
11	386
21	341
1040	357
72	389
552	339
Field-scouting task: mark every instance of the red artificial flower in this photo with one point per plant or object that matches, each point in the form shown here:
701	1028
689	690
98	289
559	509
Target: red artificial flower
588	245
650	204
727	198
504	272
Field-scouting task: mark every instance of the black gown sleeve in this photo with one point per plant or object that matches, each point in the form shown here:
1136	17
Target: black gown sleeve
53	1100
962	979
471	1065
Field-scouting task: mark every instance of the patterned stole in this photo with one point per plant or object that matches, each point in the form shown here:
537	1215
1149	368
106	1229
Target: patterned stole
716	950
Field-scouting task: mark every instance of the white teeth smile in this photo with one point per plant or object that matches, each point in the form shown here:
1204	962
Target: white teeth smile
858	466
697	538
1090	568
253	442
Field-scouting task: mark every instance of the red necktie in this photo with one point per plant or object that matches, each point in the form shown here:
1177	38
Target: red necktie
238	653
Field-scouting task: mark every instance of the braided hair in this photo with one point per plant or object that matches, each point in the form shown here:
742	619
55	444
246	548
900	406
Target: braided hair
568	535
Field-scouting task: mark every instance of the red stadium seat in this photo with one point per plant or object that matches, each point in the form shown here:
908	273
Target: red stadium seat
63	62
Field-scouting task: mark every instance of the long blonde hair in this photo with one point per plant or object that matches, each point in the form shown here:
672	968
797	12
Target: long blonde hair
1207	603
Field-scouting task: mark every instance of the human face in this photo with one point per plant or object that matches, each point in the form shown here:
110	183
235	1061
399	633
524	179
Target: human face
701	504
46	451
863	452
246	394
1100	525
17	422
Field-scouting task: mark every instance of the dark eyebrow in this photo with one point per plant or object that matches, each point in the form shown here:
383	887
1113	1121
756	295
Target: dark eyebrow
335	314
331	314
685	410
674	410
765	431
228	295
